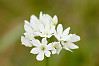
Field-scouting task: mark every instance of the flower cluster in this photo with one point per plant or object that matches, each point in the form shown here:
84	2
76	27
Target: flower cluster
45	27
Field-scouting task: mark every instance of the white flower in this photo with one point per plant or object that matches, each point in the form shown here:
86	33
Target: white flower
43	27
46	31
45	18
47	25
60	34
28	27
41	49
34	22
25	41
66	38
56	47
29	36
68	44
32	27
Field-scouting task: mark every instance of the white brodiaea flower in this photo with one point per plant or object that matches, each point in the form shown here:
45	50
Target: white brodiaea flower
66	38
56	47
45	18
60	34
47	25
30	32
68	44
25	41
34	22
46	31
33	26
41	49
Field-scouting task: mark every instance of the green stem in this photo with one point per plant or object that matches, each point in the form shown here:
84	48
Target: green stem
47	64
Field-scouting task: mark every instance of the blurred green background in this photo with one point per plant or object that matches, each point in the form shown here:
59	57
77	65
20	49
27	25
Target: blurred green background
81	15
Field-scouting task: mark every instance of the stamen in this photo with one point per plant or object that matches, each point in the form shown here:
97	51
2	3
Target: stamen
43	48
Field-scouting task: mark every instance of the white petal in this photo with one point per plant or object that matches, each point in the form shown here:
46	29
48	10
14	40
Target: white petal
58	51
25	42
48	18
66	31
40	56
66	48
44	41
34	22
41	28
49	46
47	53
58	47
45	19
73	38
55	20
36	42
47	26
53	51
52	30
71	45
33	19
59	29
29	36
35	51
27	27
40	15
57	36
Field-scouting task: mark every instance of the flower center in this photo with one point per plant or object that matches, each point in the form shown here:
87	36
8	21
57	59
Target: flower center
43	48
55	47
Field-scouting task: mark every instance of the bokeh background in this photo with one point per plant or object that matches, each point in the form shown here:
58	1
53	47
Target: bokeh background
81	15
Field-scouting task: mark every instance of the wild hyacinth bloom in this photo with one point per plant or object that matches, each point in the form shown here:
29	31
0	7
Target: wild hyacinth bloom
30	31
60	34
56	47
45	18
41	49
66	38
46	31
44	27
47	26
69	42
25	41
